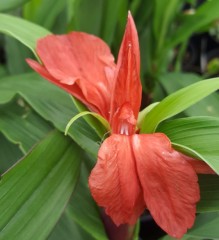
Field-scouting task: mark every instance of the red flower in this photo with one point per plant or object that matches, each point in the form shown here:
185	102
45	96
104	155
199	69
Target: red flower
133	171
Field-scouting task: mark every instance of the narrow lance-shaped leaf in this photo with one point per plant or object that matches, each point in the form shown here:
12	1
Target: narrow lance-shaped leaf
34	193
25	32
42	96
83	210
177	102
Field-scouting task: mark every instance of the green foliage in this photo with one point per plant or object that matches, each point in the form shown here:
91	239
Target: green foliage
34	90
35	191
177	102
11	4
198	135
22	30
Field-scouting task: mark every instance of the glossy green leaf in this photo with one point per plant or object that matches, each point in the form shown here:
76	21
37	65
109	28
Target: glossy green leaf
201	134
22	30
83	210
144	112
35	191
6	5
172	82
9	154
206	226
22	126
42	97
178	102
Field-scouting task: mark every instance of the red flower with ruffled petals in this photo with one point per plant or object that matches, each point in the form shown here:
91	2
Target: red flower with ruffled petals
133	171
80	63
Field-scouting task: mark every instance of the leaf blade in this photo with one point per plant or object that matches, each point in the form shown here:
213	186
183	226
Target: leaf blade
26	32
40	196
177	102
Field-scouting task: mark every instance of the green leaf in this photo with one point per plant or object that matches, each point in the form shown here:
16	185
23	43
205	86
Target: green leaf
26	32
22	126
201	134
67	229
9	154
144	112
209	193
136	231
164	13
178	102
34	192
92	121
14	50
205	14
86	20
172	82
101	120
40	12
109	19
42	97
11	4
206	226
83	210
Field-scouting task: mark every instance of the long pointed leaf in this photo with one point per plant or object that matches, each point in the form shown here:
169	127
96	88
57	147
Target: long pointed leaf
177	102
34	192
22	30
42	96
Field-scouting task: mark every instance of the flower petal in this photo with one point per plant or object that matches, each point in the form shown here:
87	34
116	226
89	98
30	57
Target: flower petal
127	88
169	183
82	58
114	183
72	89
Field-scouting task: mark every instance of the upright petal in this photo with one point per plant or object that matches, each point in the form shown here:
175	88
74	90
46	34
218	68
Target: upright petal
169	183
114	183
82	59
127	85
72	89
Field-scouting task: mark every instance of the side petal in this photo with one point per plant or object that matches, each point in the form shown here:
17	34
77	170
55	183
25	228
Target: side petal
169	183
114	183
82	58
72	89
127	85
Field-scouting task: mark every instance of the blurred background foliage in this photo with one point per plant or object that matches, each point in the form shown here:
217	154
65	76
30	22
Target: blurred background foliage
179	46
